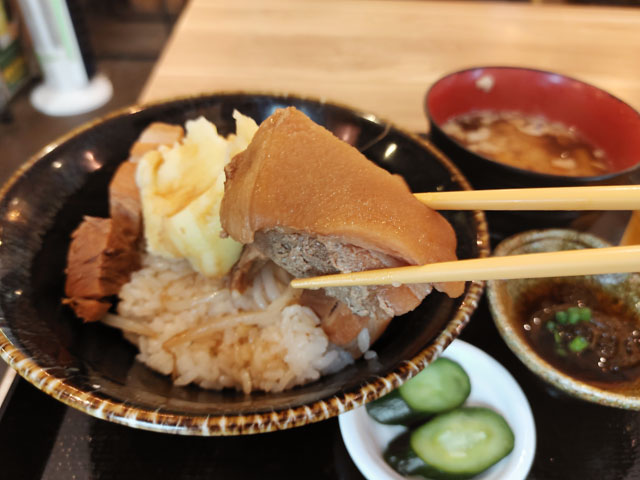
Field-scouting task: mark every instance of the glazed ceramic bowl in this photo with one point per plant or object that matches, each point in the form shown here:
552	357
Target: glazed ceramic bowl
92	368
605	121
506	298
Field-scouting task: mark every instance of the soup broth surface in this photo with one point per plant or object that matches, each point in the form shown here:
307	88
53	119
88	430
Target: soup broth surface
530	142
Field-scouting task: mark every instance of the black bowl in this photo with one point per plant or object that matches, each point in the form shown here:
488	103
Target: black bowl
92	368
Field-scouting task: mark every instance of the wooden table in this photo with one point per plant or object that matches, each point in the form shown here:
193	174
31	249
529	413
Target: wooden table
382	55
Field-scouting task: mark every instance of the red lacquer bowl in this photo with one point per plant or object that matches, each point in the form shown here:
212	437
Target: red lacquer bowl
606	121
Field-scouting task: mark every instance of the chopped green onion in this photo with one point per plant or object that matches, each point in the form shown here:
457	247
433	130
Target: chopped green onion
578	344
562	317
585	314
573	314
561	351
551	325
557	337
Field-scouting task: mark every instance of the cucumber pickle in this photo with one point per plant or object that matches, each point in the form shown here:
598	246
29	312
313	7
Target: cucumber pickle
456	442
440	387
455	445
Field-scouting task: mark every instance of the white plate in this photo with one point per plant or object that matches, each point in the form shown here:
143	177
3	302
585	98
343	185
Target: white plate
491	386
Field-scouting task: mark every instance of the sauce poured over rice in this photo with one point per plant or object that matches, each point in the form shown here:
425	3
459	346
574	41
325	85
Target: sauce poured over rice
528	142
199	331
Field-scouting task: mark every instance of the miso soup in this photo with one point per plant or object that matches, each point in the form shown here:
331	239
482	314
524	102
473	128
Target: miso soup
528	142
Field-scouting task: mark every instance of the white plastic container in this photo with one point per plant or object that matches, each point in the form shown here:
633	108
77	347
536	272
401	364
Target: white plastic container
68	88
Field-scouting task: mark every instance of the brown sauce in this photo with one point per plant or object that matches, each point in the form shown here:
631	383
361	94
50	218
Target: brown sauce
528	142
610	339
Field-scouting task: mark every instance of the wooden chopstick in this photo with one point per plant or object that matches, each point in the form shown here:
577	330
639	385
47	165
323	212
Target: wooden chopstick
567	263
618	197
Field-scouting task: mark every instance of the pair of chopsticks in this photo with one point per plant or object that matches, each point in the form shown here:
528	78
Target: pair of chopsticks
535	265
619	197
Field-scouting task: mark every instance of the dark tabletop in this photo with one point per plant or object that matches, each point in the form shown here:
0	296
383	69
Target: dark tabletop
42	438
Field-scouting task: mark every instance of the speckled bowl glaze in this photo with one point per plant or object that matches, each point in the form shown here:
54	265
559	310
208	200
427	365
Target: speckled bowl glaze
92	368
503	295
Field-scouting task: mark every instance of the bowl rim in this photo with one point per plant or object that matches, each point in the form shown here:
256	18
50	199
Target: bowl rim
525	353
522	171
250	423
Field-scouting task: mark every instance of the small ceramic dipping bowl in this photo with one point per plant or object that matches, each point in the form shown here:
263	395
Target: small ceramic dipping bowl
525	313
603	120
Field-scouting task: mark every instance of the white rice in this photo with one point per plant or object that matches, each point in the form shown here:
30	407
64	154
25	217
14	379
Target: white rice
197	330
363	340
370	355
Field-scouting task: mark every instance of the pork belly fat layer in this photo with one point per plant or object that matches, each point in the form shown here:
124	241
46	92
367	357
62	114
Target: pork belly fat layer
298	176
124	201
